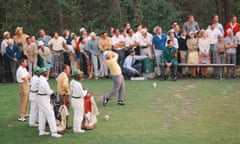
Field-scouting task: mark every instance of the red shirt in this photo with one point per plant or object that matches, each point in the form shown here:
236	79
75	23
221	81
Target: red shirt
234	28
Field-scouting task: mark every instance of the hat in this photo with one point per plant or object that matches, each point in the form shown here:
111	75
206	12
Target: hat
72	34
191	32
18	28
42	70
82	29
76	72
40	43
229	30
106	53
131	50
92	34
36	69
143	31
5	33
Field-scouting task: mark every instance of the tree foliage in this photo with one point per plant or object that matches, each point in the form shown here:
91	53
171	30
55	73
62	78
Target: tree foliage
99	15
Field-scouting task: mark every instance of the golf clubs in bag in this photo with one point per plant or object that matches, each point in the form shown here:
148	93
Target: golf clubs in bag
90	112
61	113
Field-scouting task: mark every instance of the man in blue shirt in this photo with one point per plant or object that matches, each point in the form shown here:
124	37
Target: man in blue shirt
159	41
13	54
129	67
170	60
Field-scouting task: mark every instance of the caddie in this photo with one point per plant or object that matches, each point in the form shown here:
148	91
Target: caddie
46	112
34	82
77	100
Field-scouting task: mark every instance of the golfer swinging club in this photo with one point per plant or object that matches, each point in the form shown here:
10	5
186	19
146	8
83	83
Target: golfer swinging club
110	59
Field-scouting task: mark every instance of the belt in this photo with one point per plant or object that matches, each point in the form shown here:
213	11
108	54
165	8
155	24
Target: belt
33	91
143	47
42	94
76	97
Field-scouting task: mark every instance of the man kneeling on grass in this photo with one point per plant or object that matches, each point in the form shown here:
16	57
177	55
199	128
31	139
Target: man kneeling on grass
170	60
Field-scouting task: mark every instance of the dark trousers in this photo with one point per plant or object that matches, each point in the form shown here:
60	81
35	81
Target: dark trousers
173	69
6	72
129	73
121	56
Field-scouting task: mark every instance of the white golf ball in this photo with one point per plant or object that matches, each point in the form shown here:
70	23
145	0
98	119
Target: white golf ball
106	117
154	85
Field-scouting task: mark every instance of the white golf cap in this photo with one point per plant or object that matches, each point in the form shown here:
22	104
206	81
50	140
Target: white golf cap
40	43
5	33
106	53
82	29
229	30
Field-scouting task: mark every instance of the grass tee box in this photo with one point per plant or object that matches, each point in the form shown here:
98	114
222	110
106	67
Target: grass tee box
182	112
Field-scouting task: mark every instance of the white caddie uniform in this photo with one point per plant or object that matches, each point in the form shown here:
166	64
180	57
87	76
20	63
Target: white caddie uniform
77	104
33	117
45	108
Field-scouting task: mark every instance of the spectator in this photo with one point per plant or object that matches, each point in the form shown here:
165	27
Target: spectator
159	41
130	67
145	43
169	60
233	25
5	60
131	40
30	50
67	37
20	37
13	54
172	37
118	43
204	47
105	44
193	58
191	25
213	33
238	48
95	55
217	24
182	42
231	45
43	37
57	45
221	55
46	56
75	62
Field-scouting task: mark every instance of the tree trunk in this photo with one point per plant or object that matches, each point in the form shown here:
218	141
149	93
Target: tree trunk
137	11
228	8
60	18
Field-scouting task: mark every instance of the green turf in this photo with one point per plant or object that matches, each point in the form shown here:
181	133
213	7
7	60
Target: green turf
183	112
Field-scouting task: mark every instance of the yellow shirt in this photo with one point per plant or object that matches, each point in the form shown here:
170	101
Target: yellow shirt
63	84
105	44
113	65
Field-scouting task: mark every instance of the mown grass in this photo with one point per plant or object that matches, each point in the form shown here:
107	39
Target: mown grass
183	112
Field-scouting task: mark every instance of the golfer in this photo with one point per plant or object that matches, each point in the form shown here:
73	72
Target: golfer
111	59
77	101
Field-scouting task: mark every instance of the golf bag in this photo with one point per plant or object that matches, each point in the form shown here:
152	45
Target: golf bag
90	112
61	113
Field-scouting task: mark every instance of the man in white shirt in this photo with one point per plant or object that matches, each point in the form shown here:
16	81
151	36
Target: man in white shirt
129	67
213	33
77	101
46	113
57	45
33	116
23	78
118	43
145	43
